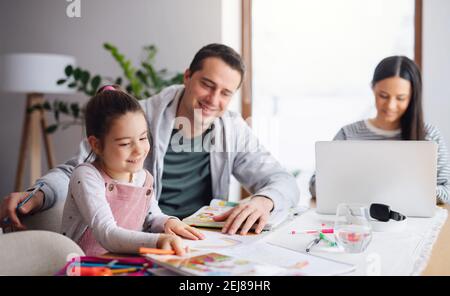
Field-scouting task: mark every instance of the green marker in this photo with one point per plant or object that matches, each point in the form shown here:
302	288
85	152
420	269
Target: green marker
325	239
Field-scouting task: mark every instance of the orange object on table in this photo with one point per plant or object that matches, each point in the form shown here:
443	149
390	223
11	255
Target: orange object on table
156	251
88	271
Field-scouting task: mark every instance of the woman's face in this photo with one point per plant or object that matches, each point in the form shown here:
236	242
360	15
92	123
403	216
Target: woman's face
392	97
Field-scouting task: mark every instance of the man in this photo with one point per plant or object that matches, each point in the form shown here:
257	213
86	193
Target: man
187	117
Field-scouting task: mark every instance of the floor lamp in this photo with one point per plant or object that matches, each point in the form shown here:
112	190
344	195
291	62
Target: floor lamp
33	74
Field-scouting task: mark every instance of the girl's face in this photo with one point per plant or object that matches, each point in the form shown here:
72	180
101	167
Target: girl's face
392	97
125	147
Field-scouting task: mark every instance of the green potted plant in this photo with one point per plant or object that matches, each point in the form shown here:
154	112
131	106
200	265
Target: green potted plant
142	82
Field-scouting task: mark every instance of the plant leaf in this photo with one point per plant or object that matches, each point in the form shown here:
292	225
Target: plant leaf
51	129
128	88
85	77
142	77
56	114
108	46
75	108
95	82
63	107
151	52
177	79
68	70
77	74
34	107
47	106
61	81
152	74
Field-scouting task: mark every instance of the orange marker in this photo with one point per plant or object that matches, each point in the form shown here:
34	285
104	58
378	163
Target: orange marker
89	271
156	251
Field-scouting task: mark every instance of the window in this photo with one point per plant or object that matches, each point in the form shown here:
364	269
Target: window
312	66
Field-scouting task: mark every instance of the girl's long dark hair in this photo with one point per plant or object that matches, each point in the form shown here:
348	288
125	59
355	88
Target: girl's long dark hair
411	123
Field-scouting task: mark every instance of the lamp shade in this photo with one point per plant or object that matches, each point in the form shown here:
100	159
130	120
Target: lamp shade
34	72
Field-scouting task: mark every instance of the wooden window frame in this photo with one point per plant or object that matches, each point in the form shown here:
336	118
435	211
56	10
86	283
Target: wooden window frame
247	57
418	24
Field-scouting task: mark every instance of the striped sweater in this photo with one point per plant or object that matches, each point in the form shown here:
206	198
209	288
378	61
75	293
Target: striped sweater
364	130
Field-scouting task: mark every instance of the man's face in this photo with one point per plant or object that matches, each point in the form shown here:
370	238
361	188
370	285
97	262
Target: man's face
209	90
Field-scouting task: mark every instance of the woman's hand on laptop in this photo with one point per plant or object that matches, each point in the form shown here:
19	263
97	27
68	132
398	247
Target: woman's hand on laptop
246	214
8	208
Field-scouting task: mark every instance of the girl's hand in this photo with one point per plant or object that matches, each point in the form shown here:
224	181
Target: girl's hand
175	226
171	242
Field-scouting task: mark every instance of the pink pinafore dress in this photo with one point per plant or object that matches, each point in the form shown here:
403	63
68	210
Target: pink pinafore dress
129	205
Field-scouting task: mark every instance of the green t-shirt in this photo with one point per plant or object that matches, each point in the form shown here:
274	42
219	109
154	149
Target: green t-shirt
186	180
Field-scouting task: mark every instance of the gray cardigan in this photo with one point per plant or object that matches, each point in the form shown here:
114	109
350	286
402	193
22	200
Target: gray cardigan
236	151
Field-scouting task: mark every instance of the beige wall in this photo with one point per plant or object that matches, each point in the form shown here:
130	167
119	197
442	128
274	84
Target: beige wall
177	27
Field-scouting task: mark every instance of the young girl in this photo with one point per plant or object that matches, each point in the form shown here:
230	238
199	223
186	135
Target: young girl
397	87
110	201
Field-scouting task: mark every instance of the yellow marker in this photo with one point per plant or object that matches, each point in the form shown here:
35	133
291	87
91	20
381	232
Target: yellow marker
123	270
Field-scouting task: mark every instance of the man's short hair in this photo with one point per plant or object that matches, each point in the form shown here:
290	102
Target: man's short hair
221	51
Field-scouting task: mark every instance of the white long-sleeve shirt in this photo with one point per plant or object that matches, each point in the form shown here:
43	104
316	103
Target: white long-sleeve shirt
86	206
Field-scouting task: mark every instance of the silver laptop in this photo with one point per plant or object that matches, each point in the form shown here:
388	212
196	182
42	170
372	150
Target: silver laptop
401	174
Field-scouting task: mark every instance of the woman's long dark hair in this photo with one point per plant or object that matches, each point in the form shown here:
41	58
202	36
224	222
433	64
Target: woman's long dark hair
411	123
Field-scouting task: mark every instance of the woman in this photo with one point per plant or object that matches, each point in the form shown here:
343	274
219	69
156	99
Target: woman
397	86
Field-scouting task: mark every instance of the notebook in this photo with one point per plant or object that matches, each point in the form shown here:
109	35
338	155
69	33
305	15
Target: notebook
251	260
293	262
204	216
207	263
